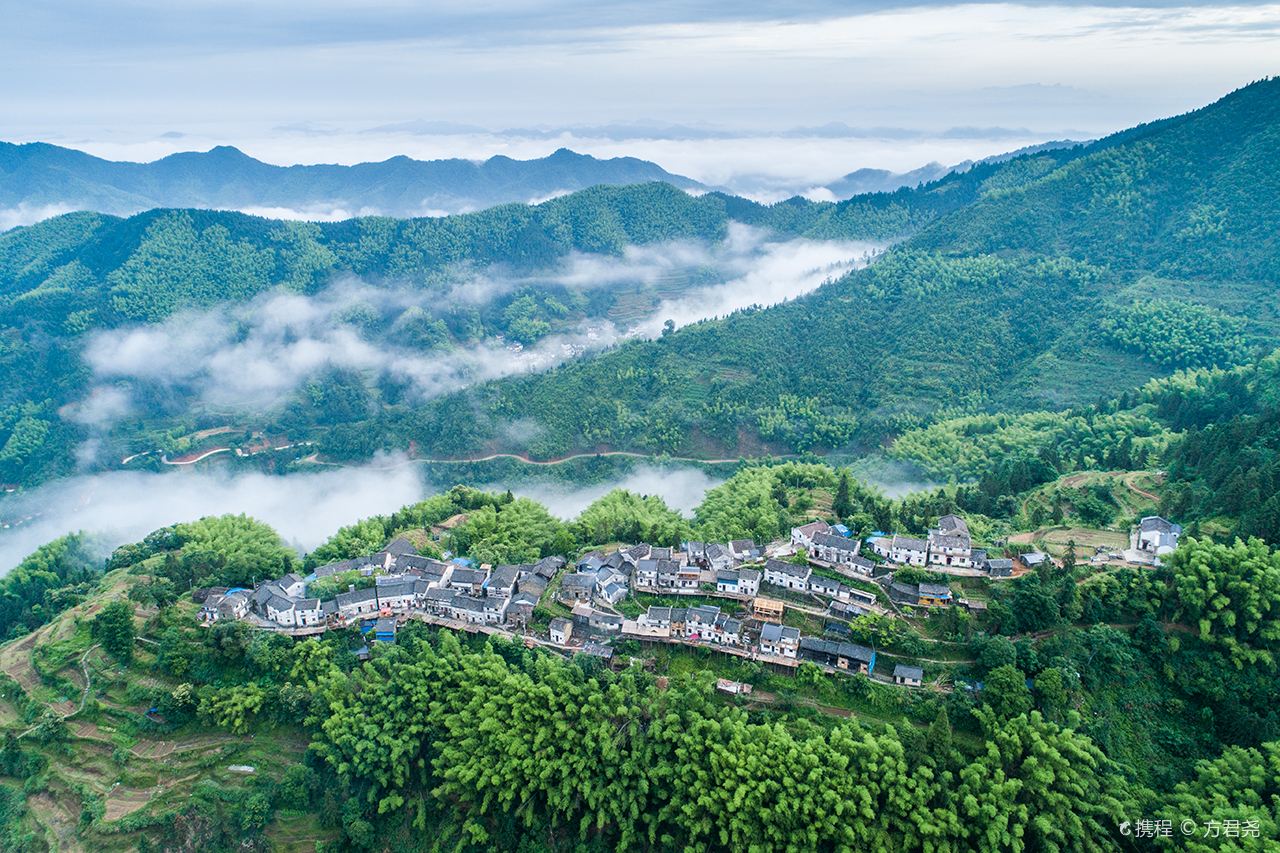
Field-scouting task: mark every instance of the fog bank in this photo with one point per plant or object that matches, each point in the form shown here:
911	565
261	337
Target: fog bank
124	506
681	488
252	356
119	507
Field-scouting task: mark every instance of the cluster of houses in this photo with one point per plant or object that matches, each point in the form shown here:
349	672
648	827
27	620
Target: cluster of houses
947	548
398	580
393	581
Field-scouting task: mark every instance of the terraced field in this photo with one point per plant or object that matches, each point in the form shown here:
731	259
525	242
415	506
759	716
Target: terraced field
78	708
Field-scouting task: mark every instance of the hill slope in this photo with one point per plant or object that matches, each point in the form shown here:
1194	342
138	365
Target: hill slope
1049	280
38	174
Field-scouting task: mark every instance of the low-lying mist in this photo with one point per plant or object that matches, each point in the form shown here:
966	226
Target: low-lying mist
681	488
252	356
119	507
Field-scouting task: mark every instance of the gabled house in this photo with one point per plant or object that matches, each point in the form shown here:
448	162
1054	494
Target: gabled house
743	550
998	567
656	574
934	595
904	593
848	656
779	640
547	567
476	611
467	581
743	582
716	557
520	609
950	544
561	630
357	602
264	593
911	676
787	575
834	549
577	587
909	551
1156	535
725	631
687	577
416	564
597	620
802	536
590	562
279	610
861	565
293	585
636	553
439	600
502	581
700	620
229	606
307	612
397	594
401	546
818	585
655	617
1033	559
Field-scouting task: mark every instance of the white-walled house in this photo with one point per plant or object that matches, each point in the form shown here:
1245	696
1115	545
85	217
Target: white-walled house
779	640
909	551
950	544
1157	535
834	549
787	575
802	536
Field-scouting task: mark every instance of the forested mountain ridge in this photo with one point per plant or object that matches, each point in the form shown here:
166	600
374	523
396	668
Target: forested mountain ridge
71	276
37	174
1102	266
1004	295
1189	196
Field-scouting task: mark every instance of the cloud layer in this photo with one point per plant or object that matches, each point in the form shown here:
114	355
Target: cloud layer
306	508
252	356
123	506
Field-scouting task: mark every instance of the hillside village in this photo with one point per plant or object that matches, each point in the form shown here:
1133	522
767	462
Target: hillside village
822	574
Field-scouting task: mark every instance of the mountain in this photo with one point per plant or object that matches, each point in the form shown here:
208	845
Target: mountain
1041	281
1044	281
38	174
883	181
863	181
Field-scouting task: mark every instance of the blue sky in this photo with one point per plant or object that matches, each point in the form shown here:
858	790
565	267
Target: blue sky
280	77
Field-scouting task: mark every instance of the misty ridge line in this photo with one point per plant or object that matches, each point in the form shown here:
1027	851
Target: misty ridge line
253	355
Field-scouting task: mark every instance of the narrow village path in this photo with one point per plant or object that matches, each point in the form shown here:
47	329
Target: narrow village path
1128	481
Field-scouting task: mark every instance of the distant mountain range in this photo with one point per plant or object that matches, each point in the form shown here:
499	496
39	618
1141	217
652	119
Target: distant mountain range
38	175
864	181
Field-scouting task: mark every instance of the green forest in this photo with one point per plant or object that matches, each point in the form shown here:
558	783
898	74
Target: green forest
1082	698
1015	286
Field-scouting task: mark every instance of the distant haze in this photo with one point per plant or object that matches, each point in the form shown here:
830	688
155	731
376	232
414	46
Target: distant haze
789	93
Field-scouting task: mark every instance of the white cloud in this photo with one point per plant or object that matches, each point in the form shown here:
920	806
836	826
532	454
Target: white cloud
251	356
123	506
29	214
681	487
